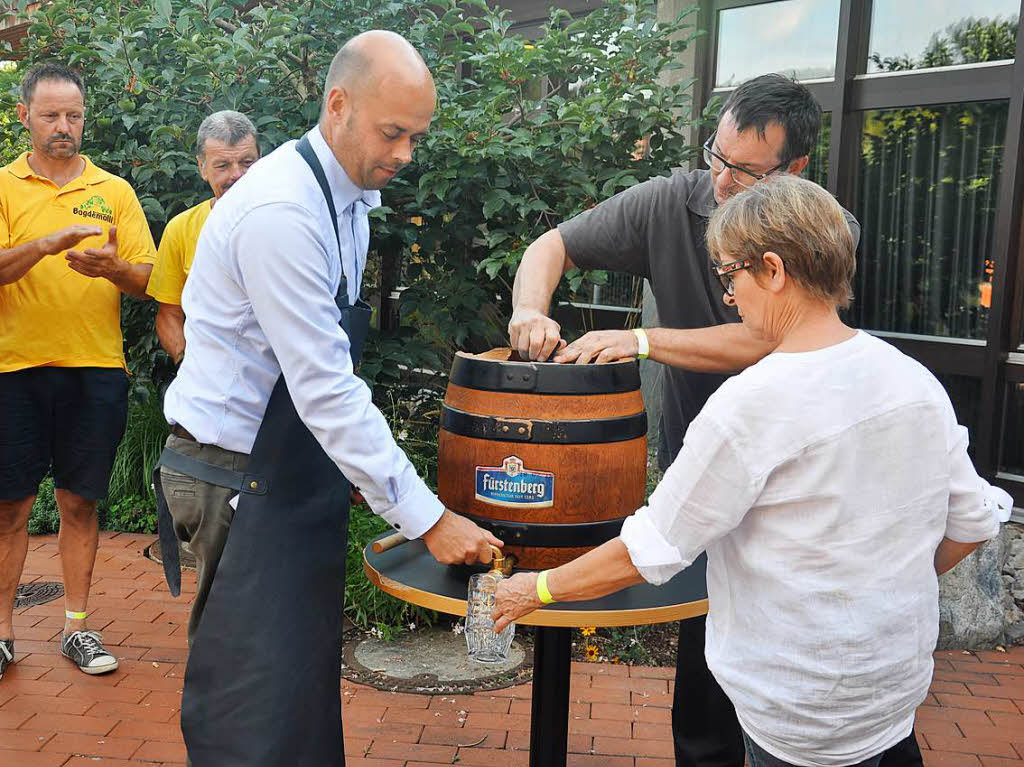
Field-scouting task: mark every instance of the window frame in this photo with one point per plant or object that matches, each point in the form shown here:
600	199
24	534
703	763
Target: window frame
999	359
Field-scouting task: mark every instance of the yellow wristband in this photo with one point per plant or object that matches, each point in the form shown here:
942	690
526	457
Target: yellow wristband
542	588
643	350
71	615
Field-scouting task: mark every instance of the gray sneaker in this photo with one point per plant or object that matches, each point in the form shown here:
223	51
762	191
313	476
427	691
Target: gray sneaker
85	650
6	654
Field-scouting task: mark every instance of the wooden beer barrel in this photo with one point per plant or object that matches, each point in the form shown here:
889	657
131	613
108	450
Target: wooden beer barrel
551	458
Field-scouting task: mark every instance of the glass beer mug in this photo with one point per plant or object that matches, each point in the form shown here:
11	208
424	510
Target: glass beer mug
483	644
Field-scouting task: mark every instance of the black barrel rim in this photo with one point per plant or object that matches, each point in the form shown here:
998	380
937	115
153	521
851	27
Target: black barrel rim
474	372
542	535
544	431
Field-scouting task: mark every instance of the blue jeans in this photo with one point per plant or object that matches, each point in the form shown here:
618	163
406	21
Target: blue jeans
905	752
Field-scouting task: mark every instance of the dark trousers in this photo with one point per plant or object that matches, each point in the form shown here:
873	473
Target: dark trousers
905	752
704	727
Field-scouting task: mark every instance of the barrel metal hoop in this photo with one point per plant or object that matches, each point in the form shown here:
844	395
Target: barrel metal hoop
542	431
550	536
545	377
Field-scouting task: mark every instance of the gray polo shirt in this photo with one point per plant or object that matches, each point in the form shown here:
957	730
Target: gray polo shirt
656	230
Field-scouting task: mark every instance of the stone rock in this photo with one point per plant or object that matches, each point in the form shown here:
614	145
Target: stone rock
977	598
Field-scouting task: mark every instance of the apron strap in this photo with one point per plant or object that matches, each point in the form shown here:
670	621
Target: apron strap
238	481
251	484
305	149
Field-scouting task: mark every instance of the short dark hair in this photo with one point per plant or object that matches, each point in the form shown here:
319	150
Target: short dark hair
48	71
777	98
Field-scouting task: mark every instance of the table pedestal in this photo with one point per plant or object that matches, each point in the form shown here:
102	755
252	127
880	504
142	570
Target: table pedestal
549	719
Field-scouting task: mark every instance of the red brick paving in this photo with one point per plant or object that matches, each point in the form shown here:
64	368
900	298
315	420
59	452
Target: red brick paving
53	716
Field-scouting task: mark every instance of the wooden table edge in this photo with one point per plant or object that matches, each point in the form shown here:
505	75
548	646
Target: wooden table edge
548	616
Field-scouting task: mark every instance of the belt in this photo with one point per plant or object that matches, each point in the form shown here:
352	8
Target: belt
180	431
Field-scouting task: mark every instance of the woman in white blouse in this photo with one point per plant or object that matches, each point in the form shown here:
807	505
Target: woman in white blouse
829	485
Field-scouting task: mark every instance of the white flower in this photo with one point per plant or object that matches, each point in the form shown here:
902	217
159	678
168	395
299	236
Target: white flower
403	435
412	627
458	628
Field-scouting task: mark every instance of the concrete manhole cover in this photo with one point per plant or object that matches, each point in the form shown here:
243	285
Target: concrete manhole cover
430	660
39	593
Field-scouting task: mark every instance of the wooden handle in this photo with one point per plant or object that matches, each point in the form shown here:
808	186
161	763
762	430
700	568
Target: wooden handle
389	542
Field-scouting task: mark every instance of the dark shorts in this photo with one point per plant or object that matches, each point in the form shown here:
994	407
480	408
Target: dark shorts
70	419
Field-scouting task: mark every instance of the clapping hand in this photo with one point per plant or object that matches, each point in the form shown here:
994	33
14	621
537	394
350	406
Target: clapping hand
97	262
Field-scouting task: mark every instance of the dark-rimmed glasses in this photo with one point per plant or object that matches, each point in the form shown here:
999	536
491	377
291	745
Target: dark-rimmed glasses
742	176
724	273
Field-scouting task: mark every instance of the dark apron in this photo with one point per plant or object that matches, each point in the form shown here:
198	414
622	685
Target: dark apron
262	685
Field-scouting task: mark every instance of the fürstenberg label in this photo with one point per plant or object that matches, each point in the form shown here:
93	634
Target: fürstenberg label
512	484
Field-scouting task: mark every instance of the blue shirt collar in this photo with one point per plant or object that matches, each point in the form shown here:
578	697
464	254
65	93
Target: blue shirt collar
344	190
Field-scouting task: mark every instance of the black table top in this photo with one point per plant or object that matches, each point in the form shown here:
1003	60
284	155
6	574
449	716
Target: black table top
410	573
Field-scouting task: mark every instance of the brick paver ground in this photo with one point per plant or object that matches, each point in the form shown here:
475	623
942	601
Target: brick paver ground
52	715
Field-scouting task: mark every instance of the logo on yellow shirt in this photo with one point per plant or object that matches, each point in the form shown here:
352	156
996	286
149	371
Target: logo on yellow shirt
95	207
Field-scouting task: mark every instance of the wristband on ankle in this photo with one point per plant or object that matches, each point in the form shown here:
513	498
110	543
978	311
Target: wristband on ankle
643	345
71	615
542	588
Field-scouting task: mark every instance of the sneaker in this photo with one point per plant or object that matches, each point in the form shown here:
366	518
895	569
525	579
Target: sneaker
85	650
6	654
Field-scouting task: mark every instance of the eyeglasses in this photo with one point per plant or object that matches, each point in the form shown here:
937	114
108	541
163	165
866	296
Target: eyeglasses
742	176
724	273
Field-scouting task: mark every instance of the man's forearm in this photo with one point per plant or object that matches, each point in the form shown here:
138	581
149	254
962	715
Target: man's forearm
542	266
170	329
720	349
132	279
15	262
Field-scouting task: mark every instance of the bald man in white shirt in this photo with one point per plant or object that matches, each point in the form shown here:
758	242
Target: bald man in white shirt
269	419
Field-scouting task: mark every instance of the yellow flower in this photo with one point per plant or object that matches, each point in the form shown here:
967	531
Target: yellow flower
591	652
416	221
530	47
588	631
415	248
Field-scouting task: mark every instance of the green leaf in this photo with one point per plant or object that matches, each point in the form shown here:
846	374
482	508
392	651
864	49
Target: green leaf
163	8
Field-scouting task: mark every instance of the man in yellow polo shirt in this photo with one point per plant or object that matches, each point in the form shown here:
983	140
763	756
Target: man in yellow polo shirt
73	238
226	147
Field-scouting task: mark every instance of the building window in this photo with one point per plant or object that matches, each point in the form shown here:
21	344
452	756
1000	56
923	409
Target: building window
817	168
926	201
794	37
938	33
1012	454
965	394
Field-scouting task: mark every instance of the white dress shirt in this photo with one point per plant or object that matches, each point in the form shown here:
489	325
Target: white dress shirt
259	302
820	484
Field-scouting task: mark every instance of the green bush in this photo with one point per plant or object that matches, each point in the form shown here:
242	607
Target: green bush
44	518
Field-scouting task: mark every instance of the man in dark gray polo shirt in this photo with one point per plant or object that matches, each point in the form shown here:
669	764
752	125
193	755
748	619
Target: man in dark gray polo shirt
656	230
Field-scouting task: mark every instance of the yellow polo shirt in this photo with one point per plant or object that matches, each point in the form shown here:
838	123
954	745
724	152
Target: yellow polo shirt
54	316
177	249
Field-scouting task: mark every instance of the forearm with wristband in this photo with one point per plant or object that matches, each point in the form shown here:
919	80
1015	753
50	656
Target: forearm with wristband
543	594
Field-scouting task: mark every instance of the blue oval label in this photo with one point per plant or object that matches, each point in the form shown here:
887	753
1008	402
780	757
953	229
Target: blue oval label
512	484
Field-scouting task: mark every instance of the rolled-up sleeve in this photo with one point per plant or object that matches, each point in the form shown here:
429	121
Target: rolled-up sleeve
285	270
704	495
976	508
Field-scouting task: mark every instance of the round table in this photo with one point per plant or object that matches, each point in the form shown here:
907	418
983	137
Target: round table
410	573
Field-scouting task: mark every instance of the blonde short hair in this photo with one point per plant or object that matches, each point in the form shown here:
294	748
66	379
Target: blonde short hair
798	221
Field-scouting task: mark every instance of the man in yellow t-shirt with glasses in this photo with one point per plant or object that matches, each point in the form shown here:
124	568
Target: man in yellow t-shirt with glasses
73	238
226	147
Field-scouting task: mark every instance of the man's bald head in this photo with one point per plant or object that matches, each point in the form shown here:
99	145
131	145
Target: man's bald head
363	62
379	99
